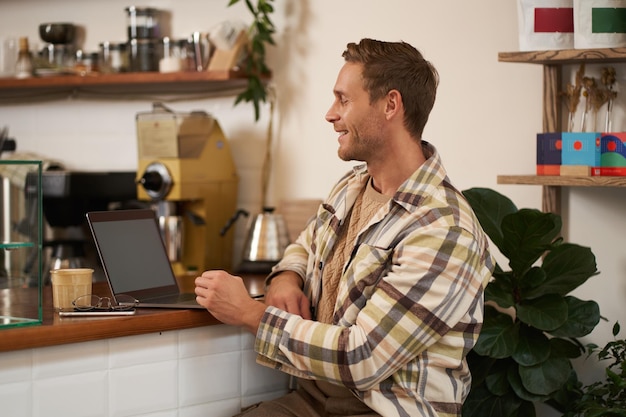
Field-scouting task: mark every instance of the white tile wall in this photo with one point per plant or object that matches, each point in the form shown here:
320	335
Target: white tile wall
15	367
78	395
71	359
210	378
15	399
207	371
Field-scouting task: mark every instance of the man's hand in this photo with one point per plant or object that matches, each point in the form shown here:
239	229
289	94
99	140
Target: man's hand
285	293
225	296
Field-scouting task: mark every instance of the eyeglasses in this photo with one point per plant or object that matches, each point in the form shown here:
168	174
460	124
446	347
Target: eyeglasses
91	302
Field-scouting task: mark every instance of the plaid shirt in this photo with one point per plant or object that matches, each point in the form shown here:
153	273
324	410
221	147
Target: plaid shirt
409	304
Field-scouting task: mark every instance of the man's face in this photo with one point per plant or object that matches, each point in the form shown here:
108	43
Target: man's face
359	123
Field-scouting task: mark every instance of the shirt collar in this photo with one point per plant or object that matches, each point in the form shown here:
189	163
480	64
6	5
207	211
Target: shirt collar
420	184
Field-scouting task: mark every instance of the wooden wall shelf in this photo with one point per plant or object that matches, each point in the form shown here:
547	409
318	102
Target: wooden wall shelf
553	62
565	56
125	83
563	181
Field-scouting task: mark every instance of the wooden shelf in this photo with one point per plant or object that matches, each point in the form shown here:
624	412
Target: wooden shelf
565	56
562	181
125	83
553	61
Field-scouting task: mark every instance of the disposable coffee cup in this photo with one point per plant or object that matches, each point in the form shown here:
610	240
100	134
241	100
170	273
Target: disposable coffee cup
68	285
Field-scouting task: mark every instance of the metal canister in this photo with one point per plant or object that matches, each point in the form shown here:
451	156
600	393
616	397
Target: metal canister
143	23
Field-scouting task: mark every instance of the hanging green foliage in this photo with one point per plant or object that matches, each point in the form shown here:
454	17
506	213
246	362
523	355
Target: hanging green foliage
260	34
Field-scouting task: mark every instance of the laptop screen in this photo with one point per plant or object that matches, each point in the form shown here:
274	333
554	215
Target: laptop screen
131	250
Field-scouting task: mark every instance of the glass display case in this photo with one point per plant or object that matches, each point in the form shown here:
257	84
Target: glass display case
20	243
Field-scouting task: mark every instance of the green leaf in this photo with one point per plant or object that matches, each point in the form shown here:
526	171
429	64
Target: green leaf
515	382
547	312
533	278
567	267
527	409
500	291
481	366
482	403
255	93
499	335
265	7
527	235
546	377
615	379
565	398
533	347
582	318
251	7
490	208
497	382
564	348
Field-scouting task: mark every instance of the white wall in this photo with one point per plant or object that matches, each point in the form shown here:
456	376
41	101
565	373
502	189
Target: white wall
484	122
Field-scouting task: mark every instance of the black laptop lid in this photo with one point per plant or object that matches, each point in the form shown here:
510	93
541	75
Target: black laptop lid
132	252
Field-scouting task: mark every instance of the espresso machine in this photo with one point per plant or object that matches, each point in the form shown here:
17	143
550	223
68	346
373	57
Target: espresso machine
187	173
66	198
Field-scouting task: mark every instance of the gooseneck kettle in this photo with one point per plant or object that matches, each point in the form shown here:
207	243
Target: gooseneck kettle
266	240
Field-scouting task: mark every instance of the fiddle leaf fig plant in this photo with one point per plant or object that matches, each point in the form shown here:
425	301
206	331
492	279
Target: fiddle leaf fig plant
531	323
260	33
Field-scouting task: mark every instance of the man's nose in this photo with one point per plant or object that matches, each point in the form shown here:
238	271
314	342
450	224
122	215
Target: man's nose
331	115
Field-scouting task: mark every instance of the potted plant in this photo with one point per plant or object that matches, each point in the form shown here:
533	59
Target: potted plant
605	398
260	34
531	324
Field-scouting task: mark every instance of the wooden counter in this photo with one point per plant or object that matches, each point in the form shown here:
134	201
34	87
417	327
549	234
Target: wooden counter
57	330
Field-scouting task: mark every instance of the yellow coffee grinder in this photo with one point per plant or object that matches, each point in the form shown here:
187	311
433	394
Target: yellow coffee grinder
187	172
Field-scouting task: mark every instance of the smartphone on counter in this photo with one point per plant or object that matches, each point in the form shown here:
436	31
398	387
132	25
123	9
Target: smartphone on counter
94	313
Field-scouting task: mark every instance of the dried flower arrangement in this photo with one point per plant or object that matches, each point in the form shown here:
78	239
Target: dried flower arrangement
595	97
572	97
608	81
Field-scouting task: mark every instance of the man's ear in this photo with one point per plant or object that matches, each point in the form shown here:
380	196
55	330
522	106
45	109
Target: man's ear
393	103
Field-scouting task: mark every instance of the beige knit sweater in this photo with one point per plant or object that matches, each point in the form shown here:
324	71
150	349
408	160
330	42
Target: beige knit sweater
367	203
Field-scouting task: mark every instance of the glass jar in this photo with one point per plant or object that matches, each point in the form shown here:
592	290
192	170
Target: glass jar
143	22
8	56
187	56
59	55
86	62
113	57
169	56
143	55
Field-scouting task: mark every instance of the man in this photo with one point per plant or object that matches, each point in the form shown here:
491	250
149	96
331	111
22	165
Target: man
377	303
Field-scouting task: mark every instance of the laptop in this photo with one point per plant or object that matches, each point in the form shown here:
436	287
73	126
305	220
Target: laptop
135	260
